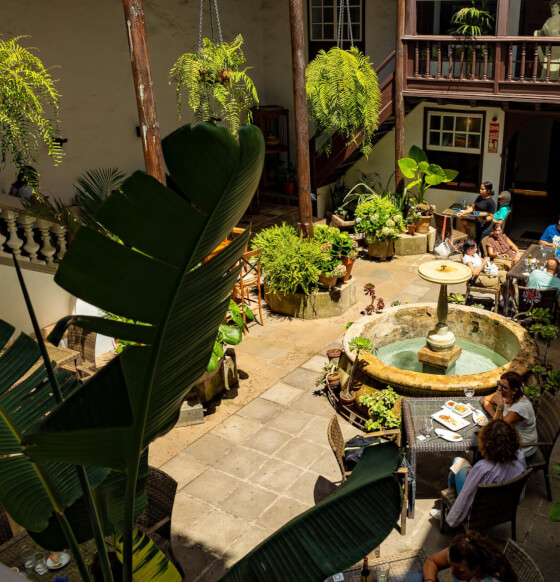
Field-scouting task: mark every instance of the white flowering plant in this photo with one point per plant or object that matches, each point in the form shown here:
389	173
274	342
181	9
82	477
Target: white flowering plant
379	219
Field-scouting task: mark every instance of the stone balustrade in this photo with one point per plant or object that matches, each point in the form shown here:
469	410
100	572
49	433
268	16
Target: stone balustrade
35	242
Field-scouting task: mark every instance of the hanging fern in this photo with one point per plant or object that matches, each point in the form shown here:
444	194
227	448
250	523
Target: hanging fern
217	88
343	96
28	106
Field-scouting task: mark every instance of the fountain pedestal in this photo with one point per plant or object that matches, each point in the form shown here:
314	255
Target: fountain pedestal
441	359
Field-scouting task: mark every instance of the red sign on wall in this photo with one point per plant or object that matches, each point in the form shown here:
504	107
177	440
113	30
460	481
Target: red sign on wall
493	137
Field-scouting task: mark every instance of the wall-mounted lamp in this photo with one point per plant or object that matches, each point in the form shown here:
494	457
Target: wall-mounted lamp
60	141
138	133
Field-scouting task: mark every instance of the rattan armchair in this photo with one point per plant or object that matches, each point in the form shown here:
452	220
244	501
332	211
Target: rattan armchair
522	564
83	341
493	504
155	520
548	429
336	440
495	291
5	528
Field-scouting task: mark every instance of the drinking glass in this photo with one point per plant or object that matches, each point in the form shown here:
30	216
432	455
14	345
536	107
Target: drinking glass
469	391
40	562
427	427
27	558
382	572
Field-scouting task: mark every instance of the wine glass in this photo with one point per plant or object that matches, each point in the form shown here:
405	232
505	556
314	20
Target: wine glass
427	427
469	391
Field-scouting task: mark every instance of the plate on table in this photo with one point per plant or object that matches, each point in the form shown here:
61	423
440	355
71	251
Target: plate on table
479	417
450	420
449	435
459	408
57	560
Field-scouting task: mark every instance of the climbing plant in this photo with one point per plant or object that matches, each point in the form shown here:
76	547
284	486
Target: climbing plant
29	113
218	88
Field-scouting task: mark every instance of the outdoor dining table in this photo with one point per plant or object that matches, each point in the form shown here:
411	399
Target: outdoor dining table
520	273
404	567
414	411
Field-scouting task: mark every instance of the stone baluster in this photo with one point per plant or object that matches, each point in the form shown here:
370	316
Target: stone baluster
14	243
47	250
30	246
60	233
3	239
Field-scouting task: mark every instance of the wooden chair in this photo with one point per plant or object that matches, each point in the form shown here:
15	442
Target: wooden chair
83	341
456	236
548	429
522	564
155	520
250	277
5	528
336	440
493	504
495	292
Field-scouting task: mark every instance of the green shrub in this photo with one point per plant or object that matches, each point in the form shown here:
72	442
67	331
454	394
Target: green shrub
271	239
381	409
324	234
379	219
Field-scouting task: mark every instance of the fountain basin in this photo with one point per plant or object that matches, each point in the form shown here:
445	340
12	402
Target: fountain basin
507	345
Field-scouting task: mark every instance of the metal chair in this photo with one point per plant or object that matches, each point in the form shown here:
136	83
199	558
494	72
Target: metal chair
336	440
155	520
250	277
5	528
548	429
456	236
83	341
493	504
522	564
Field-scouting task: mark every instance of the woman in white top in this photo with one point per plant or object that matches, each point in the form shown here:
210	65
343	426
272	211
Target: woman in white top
510	404
472	259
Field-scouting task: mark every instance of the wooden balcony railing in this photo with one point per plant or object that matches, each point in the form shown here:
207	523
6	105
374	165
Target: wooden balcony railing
513	67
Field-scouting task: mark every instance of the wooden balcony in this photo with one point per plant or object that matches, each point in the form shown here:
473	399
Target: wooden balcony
505	68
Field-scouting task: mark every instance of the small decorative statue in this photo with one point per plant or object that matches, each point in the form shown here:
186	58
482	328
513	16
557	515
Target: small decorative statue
550	28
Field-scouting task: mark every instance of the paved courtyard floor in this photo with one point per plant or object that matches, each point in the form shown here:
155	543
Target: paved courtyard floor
262	455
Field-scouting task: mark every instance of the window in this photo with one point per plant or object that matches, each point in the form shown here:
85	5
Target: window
454	140
323	24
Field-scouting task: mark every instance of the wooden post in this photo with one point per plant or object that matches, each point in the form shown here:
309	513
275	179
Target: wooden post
300	106
147	116
398	95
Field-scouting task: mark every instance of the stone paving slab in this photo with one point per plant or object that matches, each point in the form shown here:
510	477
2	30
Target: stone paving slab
282	393
261	410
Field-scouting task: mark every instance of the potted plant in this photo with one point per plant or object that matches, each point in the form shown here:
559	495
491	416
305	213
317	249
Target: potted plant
332	270
329	376
383	408
219	89
346	250
423	175
414	215
342	96
287	175
381	222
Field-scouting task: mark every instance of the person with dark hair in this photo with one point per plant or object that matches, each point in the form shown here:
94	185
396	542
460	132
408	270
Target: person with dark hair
510	404
483	203
502	460
501	249
472	557
551	236
477	265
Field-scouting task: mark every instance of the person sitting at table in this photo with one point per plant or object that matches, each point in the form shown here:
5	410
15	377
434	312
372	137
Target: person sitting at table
472	259
498	443
471	556
547	279
501	249
504	207
483	203
510	404
551	236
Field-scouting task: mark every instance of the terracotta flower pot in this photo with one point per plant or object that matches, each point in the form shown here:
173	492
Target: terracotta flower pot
381	249
423	224
327	282
333	380
289	188
411	228
346	400
348	263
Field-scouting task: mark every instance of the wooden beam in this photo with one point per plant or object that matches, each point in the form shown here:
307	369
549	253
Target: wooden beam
145	100
398	94
300	107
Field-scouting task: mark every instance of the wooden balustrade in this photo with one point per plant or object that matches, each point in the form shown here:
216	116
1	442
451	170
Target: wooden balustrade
36	242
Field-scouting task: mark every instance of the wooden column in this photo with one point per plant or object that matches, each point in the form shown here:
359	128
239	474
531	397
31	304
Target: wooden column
300	106
398	94
147	116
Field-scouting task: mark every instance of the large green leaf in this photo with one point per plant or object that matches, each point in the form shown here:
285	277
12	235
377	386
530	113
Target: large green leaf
337	532
417	154
31	492
408	167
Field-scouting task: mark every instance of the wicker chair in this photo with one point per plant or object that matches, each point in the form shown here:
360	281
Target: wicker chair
83	341
5	528
450	233
155	520
522	564
336	440
548	429
493	504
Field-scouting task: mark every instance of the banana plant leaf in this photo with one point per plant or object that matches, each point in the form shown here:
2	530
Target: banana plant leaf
31	492
337	532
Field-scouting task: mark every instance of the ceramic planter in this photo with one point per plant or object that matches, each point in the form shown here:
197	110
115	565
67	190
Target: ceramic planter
411	228
381	249
333	380
423	224
346	399
327	282
348	263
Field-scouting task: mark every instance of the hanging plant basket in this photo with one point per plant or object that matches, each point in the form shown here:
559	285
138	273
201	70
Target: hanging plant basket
343	96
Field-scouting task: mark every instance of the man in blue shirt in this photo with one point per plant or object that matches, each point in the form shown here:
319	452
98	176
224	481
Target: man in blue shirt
546	279
504	207
551	236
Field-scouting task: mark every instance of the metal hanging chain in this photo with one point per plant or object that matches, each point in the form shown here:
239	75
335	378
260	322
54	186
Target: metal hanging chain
340	31
217	12
349	23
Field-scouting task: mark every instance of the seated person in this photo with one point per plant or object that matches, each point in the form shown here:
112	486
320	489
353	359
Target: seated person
510	404
476	264
498	443
501	249
546	279
473	557
483	203
504	207
551	236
